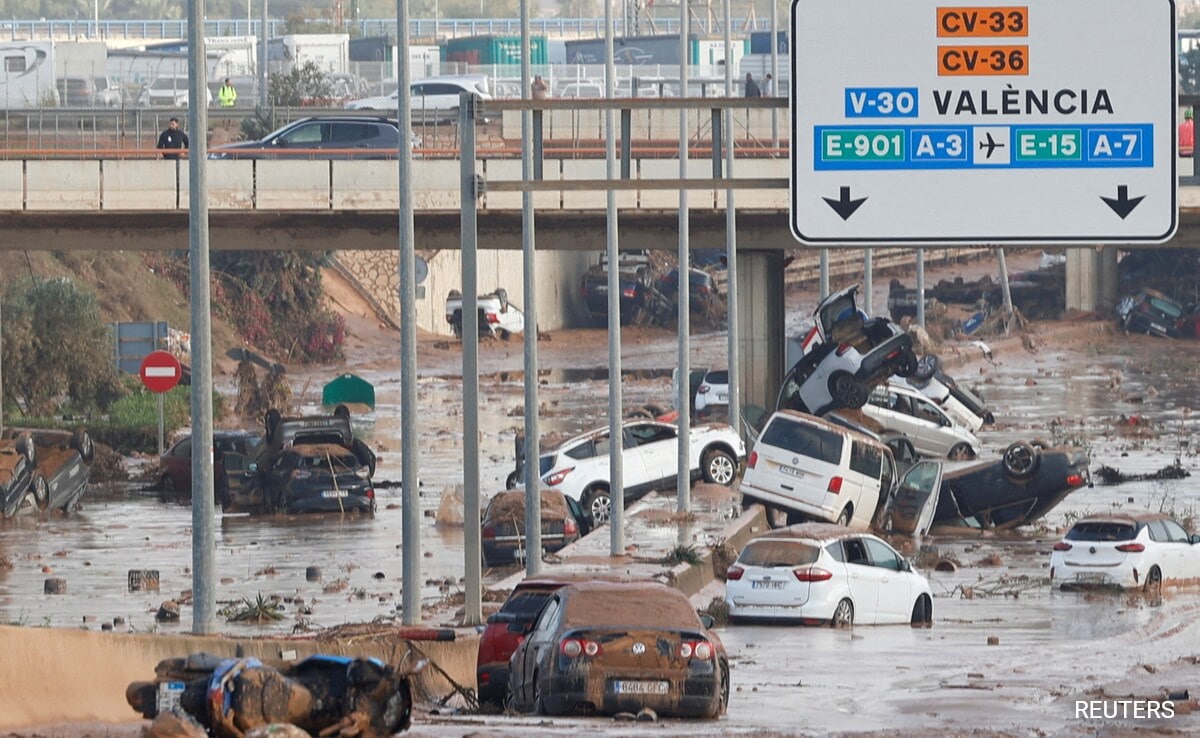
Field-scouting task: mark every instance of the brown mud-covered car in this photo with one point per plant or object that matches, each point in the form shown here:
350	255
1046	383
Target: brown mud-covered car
604	647
17	458
503	525
47	468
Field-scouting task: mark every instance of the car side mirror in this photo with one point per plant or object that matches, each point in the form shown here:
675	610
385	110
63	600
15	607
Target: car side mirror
708	621
905	565
1195	538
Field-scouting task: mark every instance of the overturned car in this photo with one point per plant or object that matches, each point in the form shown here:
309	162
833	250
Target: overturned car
304	465
44	469
846	355
323	695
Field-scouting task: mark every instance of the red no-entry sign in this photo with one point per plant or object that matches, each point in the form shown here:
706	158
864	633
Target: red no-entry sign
160	371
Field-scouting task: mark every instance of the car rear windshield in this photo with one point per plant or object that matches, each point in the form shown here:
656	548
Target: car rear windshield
800	438
630	608
778	553
1088	531
524	606
718	377
1166	308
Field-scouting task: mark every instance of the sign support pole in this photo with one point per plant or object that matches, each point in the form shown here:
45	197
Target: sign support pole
161	423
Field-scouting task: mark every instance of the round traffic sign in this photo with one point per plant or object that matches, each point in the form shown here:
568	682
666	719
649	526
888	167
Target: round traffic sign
160	371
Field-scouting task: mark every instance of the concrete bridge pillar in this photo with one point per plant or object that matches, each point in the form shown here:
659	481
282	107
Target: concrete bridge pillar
1091	278
762	342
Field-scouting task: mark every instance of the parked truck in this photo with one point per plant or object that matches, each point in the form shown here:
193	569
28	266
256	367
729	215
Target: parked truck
330	52
27	74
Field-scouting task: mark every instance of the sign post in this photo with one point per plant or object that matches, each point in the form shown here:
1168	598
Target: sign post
918	122
160	372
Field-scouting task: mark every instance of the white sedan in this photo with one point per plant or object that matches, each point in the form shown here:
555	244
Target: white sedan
1144	550
817	573
579	468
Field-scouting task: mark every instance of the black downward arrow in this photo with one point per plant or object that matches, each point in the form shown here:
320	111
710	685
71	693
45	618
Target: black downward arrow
844	206
1123	205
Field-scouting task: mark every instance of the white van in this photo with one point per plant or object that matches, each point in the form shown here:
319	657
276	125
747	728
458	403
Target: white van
805	468
170	91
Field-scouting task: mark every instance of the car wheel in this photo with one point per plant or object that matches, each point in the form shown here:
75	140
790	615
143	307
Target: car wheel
40	491
81	441
906	366
504	335
512	480
166	484
1041	444
599	504
927	366
719	467
1153	584
1020	459
847	391
27	448
844	518
961	452
539	707
922	614
341	411
843	615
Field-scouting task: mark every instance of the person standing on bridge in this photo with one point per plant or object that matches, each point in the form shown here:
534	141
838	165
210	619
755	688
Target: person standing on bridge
227	95
752	89
172	139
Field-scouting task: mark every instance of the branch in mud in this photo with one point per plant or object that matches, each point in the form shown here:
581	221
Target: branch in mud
1005	586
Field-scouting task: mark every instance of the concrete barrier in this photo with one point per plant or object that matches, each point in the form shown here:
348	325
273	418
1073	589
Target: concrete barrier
134	184
12	185
366	185
691	578
230	185
292	184
62	185
59	676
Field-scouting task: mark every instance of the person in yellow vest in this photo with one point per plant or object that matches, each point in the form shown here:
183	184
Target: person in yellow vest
226	95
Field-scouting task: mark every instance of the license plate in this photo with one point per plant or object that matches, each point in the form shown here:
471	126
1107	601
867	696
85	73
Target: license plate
763	584
791	471
169	696
333	494
641	687
1091	578
519	554
722	397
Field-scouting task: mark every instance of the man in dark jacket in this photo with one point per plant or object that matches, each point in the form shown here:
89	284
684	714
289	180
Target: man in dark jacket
752	89
172	138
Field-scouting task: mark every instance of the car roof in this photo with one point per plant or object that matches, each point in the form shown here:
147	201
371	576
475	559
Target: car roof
345	119
603	430
1136	516
822	423
821	532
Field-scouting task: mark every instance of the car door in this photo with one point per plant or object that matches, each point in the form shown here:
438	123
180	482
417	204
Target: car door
1184	555
532	654
894	601
310	135
916	498
933	427
242	480
656	450
865	580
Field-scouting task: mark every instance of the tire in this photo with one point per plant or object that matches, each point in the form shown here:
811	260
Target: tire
502	296
27	448
847	391
505	335
341	411
598	502
539	708
81	441
1153	584
906	366
845	517
640	413
718	467
843	615
363	453
961	452
40	492
512	480
927	366
1041	444
922	614
166	484
1020	459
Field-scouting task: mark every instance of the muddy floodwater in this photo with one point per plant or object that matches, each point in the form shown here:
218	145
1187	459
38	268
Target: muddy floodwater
1129	400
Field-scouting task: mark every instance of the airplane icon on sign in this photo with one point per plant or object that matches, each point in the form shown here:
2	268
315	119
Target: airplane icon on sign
989	145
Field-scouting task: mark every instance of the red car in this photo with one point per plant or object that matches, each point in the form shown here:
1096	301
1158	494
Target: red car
507	628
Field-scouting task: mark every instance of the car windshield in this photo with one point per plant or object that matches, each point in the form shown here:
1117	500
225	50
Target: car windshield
808	440
1166	307
170	83
525	606
1102	531
778	553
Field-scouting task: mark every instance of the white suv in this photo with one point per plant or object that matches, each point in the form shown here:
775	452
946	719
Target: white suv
899	407
803	467
1125	550
169	92
579	467
433	99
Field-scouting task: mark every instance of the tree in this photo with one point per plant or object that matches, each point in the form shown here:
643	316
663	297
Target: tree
302	85
56	348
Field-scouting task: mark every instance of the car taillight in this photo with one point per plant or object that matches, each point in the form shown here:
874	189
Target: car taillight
1075	480
492	318
628	292
489	531
569	528
703	390
835	485
734	573
576	647
811	574
557	478
370	493
1062	546
893	355
1131	548
842	348
701	650
750	462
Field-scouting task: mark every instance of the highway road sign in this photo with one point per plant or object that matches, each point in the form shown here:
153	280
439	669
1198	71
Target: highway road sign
917	122
160	371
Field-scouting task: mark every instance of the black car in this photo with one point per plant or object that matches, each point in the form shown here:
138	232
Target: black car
703	296
308	464
503	527
636	293
324	137
1028	481
1150	311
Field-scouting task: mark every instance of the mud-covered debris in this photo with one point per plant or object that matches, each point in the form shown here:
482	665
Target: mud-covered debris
945	565
168	612
312	574
278	730
1112	475
55	586
718	610
624	716
993	640
174	725
991	560
646	715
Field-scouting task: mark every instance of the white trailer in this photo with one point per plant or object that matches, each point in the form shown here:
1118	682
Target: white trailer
330	52
27	74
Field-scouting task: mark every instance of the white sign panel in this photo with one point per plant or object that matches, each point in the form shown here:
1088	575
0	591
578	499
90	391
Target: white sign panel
917	122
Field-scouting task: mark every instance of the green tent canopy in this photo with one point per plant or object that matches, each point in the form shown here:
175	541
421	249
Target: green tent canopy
350	390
